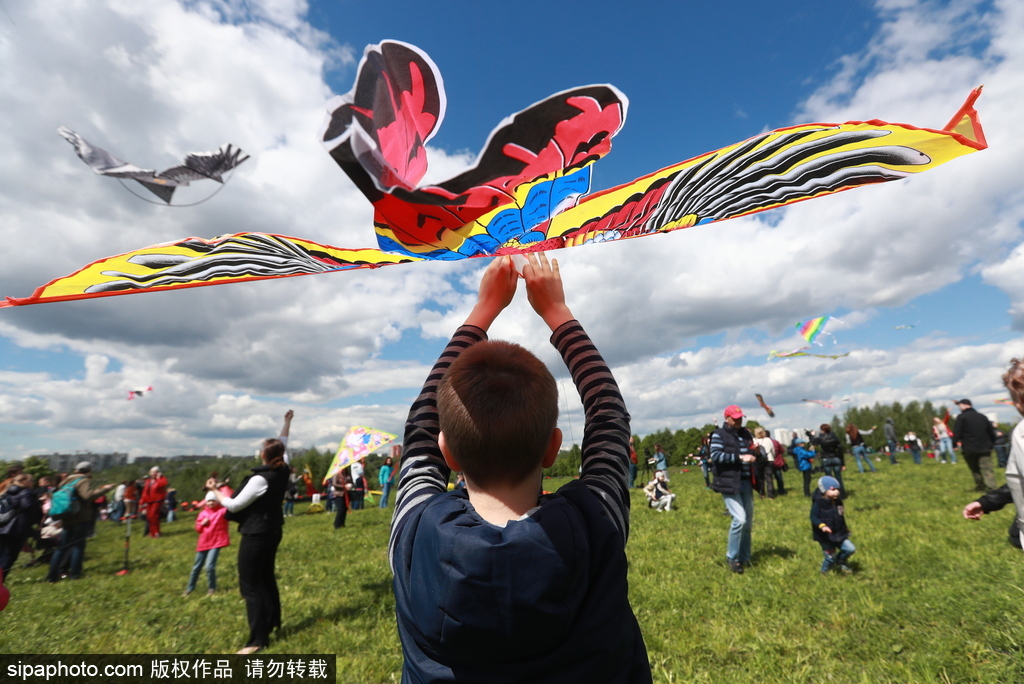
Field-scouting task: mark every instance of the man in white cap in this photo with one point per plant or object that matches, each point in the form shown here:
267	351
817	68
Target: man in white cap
733	454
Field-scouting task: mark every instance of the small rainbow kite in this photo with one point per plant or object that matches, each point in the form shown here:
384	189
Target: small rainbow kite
811	329
355	445
1007	402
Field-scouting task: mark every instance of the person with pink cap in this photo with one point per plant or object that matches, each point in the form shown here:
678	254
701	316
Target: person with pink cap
733	454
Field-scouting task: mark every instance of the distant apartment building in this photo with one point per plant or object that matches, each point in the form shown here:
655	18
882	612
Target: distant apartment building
65	463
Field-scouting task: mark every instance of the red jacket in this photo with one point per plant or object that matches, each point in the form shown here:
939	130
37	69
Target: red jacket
215	534
155	491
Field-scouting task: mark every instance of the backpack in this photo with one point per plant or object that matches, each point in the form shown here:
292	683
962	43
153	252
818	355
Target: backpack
65	504
780	460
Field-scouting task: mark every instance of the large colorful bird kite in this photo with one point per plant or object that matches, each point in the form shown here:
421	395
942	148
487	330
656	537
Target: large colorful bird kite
197	166
528	190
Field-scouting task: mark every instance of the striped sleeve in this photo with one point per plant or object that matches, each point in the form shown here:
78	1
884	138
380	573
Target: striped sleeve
423	471
606	434
719	453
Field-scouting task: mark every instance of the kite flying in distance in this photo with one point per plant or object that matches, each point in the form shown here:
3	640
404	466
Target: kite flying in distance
197	166
139	392
529	189
766	407
826	404
802	352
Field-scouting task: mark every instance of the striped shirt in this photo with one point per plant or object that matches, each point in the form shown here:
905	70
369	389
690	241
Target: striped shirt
605	450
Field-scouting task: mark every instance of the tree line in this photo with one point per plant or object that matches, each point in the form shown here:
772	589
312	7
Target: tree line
913	417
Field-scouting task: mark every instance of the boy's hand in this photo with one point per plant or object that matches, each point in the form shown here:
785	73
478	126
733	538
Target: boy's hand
544	289
497	287
826	529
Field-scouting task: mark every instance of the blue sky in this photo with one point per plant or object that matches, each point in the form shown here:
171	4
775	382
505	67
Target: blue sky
686	322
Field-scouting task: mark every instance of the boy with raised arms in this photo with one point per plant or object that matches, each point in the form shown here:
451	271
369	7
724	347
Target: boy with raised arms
497	583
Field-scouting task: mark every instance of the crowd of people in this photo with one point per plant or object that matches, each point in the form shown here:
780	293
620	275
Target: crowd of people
739	463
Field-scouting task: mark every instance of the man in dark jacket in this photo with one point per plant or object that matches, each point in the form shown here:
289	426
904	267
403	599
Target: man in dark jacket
732	457
890	439
974	433
76	525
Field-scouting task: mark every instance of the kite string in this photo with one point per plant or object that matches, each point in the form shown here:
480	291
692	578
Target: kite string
166	204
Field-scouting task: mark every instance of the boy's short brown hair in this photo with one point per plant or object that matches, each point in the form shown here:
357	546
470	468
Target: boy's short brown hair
497	405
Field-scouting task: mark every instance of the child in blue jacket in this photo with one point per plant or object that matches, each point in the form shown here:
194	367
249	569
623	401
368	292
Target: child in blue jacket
496	582
828	525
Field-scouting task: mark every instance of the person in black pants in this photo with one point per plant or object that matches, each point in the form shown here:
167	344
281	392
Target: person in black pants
341	484
257	508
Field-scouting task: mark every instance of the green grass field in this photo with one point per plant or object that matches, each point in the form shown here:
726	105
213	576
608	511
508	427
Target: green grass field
934	598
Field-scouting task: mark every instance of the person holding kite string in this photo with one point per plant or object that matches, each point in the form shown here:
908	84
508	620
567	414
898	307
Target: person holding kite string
499	582
257	509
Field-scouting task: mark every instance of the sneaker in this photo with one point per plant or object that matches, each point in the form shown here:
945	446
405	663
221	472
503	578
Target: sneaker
211	592
942	461
186	592
735	566
845	569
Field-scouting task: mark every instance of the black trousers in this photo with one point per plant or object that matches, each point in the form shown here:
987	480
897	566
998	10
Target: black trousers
807	482
256	555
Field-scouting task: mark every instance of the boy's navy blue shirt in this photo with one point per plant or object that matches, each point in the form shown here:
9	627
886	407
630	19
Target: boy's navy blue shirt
542	599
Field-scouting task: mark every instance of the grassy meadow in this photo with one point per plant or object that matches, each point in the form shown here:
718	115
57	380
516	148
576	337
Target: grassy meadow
935	598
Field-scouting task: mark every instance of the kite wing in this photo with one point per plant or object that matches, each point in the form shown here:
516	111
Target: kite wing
197	166
356	444
766	407
202	165
377	134
526	192
195	262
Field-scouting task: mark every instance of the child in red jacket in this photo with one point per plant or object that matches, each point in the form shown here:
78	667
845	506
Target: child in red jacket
212	526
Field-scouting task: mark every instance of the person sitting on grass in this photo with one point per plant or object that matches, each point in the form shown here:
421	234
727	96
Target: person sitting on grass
659	497
828	524
497	582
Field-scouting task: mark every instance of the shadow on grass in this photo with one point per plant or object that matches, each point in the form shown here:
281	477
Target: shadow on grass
777	551
378	591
